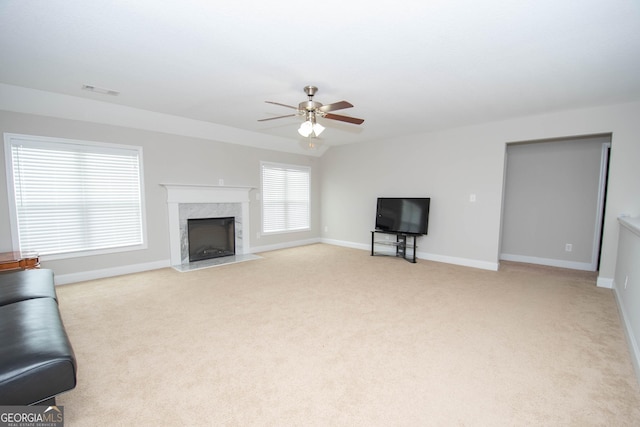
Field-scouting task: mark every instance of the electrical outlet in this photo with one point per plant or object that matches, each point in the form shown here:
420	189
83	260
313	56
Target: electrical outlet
326	228
472	198
220	181
568	247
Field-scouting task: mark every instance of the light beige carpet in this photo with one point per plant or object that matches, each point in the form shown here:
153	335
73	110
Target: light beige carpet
330	336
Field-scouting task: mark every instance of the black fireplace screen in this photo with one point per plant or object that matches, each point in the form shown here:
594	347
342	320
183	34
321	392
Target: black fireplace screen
211	238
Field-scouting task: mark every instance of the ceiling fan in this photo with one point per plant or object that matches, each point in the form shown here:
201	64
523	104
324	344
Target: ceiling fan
311	110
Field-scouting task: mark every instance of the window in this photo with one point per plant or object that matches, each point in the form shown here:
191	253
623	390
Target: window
285	198
74	197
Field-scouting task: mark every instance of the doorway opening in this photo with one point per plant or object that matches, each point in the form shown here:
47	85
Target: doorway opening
553	201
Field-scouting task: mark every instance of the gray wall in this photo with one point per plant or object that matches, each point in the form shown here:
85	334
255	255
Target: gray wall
423	166
551	199
167	159
451	165
627	284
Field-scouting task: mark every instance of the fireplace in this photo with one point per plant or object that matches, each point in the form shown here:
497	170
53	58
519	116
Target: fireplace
186	202
211	238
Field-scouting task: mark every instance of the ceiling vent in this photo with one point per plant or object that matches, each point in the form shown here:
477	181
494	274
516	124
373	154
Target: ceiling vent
92	88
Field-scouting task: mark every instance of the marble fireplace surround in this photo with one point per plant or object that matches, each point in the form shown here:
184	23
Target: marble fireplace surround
205	201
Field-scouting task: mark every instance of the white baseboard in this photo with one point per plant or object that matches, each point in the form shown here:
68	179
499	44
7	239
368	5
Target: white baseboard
585	266
465	262
352	245
604	282
266	248
484	265
629	333
64	279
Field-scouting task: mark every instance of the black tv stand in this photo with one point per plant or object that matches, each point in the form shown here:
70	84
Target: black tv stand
401	245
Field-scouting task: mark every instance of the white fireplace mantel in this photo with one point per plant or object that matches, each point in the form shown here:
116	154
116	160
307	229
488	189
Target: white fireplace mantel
185	193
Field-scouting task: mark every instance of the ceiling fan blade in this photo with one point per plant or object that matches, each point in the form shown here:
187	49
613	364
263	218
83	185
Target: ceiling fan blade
335	106
282	105
279	117
347	119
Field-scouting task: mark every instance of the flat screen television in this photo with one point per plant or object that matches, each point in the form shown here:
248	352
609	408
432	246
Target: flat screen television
403	214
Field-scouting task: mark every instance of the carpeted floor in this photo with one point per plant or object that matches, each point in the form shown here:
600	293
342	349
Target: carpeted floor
330	336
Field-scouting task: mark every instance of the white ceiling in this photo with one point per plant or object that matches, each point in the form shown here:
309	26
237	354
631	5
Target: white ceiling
407	67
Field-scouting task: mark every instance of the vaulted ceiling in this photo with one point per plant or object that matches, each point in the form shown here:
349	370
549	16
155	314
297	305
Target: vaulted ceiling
407	67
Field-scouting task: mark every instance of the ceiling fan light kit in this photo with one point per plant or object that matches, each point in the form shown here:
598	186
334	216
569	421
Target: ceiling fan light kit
311	110
310	128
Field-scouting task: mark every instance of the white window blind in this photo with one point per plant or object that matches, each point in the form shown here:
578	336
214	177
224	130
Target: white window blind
72	196
285	198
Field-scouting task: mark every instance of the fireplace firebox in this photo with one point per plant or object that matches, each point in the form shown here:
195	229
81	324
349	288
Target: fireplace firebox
211	238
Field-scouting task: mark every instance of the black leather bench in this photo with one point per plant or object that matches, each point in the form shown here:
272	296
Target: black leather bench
22	285
36	357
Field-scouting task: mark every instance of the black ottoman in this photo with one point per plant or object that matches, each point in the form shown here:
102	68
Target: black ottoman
36	358
22	285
